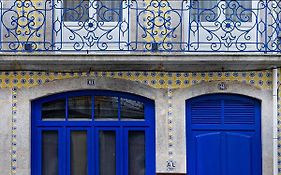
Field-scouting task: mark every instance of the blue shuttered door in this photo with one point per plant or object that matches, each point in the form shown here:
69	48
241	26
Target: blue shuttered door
223	135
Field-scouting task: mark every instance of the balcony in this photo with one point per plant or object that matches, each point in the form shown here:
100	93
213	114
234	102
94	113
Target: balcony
92	26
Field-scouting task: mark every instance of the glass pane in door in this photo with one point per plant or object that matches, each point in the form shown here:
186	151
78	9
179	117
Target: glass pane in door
75	10
109	10
106	107
204	10
107	153
136	153
131	109
239	10
78	151
80	107
53	110
49	153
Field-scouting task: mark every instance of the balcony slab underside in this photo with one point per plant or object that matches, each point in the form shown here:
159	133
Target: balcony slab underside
138	62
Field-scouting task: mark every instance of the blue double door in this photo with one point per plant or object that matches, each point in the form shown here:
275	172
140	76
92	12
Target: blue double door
93	133
223	135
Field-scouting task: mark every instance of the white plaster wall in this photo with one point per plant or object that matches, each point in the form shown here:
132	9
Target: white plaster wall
160	97
5	130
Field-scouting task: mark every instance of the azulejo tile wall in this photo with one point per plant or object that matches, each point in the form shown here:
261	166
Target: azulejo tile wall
163	80
173	80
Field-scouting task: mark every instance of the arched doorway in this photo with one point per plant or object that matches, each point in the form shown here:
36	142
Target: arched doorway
93	132
223	135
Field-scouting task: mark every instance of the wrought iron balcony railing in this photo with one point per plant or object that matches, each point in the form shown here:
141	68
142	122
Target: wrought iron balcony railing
140	25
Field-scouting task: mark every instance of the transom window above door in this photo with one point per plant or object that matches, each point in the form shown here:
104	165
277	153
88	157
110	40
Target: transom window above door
93	108
93	133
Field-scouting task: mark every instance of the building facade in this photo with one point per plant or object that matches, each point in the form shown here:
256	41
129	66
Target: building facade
140	87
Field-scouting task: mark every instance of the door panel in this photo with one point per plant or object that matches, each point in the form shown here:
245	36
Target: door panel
208	153
77	150
50	154
136	153
78	153
239	150
107	152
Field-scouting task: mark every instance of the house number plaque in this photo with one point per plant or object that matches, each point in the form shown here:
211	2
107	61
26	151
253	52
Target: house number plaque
171	165
91	82
222	86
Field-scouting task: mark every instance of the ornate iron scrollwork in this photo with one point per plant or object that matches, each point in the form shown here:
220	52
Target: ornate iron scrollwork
141	25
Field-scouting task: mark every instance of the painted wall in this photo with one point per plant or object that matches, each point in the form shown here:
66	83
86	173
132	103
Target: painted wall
168	89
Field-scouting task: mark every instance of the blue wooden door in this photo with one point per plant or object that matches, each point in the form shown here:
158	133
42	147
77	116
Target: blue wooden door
93	132
223	135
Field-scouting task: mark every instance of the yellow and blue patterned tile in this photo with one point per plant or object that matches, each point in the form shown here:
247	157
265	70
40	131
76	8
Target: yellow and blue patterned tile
163	80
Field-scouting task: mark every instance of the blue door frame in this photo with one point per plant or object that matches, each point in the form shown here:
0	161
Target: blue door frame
122	127
223	135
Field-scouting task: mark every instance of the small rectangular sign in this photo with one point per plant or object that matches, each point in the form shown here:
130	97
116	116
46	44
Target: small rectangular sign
171	165
91	82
